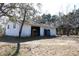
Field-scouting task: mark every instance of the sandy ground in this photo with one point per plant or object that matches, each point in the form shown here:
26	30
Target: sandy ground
59	46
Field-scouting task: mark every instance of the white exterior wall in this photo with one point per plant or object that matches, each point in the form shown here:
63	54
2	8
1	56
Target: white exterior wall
12	31
41	31
53	32
26	31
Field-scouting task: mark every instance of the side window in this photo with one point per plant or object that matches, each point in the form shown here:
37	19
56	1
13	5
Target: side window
8	27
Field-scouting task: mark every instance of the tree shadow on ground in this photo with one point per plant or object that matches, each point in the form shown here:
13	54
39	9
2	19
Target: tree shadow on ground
17	40
10	39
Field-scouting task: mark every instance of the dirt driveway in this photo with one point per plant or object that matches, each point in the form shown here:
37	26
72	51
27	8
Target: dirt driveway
59	46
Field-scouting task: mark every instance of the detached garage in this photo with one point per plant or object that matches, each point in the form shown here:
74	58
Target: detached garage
29	29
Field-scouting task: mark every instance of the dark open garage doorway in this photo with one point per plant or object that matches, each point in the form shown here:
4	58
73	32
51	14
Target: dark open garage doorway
46	32
35	31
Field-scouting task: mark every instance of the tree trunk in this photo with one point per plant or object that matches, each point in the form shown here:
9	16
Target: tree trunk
68	31
18	42
2	4
76	31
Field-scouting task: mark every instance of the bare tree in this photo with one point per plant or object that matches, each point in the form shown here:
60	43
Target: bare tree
26	11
